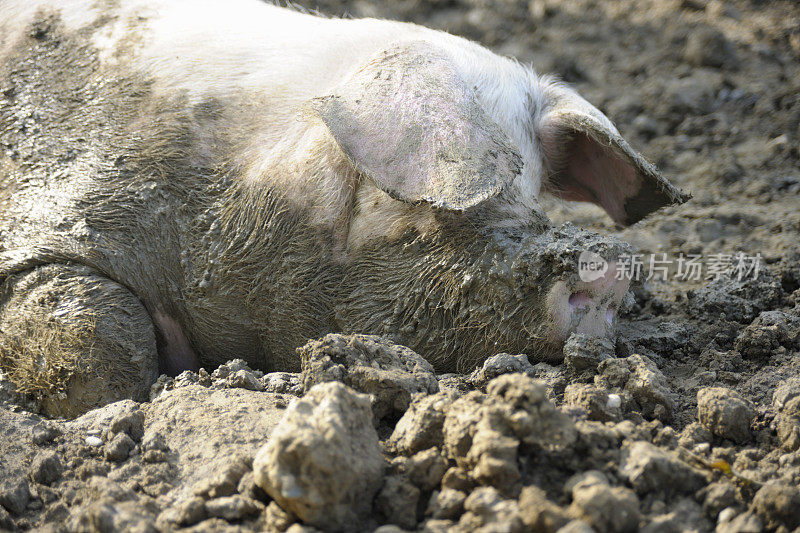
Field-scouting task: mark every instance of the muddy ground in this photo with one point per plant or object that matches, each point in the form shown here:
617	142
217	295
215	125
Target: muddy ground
689	422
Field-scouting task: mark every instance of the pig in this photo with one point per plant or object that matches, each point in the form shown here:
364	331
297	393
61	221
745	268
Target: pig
186	182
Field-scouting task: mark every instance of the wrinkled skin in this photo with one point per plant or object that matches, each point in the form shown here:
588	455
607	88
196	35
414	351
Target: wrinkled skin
100	173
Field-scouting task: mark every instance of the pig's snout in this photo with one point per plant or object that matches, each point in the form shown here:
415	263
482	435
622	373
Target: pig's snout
587	307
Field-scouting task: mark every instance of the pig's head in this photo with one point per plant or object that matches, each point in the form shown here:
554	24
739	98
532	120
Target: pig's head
448	250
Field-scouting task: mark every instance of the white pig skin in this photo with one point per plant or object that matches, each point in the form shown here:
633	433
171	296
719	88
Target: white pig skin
286	58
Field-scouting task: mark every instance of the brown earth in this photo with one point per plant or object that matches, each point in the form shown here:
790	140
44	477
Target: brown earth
690	422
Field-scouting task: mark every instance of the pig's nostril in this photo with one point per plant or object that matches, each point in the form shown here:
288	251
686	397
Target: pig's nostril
579	300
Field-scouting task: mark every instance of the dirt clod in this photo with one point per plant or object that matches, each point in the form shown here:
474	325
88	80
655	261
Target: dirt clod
119	447
420	428
46	467
233	508
583	354
606	508
397	502
498	365
14	495
725	413
650	469
778	505
390	373
308	465
446	504
706	47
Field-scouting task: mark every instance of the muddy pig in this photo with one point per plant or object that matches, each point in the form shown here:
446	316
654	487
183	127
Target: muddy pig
189	182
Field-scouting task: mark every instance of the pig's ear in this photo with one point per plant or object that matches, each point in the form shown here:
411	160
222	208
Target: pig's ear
408	122
589	161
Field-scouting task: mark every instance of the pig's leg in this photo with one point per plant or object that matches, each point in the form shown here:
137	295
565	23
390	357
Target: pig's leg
75	339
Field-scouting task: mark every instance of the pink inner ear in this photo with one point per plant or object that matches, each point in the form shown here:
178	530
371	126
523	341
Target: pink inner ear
594	173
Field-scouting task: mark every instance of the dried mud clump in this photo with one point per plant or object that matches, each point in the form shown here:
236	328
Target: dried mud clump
322	462
497	457
391	374
725	413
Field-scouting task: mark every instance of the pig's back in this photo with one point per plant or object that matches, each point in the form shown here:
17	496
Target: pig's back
271	58
210	46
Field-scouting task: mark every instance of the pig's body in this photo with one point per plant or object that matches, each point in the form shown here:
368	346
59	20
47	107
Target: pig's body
210	178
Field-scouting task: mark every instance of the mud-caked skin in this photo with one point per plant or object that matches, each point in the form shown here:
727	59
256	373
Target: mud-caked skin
65	328
213	206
